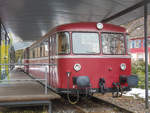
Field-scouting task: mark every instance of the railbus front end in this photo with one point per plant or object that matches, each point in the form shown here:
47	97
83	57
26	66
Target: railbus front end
94	61
90	58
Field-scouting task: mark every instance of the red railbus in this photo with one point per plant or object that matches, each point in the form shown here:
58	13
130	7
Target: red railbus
90	58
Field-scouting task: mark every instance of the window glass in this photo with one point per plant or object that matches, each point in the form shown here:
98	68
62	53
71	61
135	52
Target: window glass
50	42
137	43
140	43
31	54
113	43
46	47
43	50
130	44
63	43
40	50
133	44
85	43
36	52
148	43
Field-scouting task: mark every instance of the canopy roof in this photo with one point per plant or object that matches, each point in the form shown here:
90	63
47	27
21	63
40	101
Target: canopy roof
31	19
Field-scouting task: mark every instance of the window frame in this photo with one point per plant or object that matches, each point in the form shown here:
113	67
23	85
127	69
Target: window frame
86	32
125	45
57	43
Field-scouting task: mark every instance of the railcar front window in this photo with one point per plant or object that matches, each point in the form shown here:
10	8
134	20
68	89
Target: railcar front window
113	43
85	43
63	43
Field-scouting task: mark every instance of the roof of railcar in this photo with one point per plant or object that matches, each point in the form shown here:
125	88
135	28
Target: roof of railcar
82	26
87	26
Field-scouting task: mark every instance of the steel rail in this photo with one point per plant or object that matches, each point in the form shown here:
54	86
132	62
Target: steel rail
99	100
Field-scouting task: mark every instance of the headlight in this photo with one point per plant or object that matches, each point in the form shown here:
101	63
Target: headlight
123	66
77	67
99	26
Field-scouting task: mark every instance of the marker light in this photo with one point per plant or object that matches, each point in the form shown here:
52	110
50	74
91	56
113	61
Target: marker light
77	67
99	25
123	66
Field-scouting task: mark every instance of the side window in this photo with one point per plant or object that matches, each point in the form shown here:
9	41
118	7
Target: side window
137	43
132	43
45	47
63	43
140	43
50	42
31	54
38	51
42	49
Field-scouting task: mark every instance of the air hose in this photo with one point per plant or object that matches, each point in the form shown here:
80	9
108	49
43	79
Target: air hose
116	88
68	95
119	90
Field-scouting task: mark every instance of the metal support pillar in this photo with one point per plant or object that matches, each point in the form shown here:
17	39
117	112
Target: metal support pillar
50	107
0	43
146	55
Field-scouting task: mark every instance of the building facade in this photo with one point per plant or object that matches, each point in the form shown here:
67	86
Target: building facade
137	49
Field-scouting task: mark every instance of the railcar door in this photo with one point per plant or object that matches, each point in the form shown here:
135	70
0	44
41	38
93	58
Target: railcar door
53	68
51	61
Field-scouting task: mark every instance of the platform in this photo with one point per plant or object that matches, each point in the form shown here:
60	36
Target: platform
24	92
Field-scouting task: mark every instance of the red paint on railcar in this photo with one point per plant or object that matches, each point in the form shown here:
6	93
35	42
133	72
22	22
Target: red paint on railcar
94	68
103	71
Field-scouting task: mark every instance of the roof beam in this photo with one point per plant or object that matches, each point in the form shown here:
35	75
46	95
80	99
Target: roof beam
123	12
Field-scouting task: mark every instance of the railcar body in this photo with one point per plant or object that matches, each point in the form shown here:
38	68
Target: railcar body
90	57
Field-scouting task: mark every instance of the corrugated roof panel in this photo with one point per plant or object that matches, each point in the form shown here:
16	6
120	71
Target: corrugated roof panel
31	19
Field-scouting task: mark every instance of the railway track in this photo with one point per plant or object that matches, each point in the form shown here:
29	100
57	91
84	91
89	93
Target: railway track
79	108
99	100
89	105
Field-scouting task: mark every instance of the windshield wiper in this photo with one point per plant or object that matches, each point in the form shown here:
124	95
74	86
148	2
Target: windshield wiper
90	52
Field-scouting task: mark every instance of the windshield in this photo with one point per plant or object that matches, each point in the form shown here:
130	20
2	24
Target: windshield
85	43
113	43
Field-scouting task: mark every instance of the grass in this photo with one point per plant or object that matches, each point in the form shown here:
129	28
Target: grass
138	68
141	76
